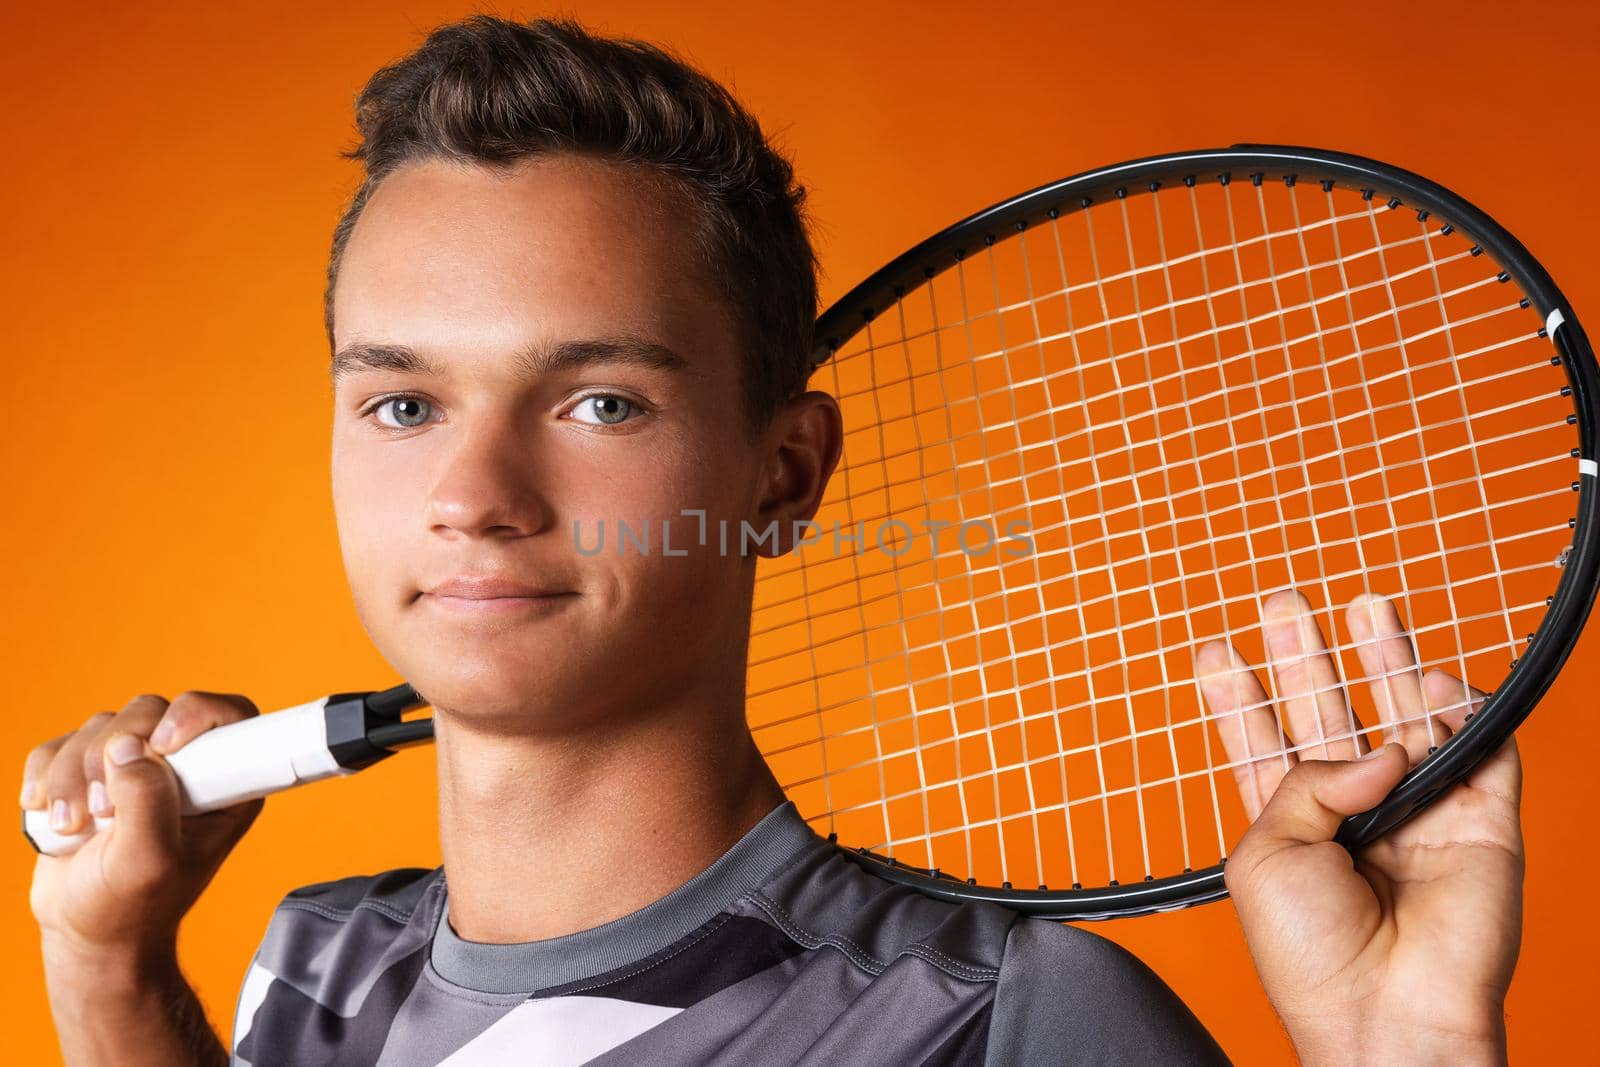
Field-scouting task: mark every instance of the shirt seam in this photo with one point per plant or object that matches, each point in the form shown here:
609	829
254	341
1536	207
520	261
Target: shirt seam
329	912
475	996
859	955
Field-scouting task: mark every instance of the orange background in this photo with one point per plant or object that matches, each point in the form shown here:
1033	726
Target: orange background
172	182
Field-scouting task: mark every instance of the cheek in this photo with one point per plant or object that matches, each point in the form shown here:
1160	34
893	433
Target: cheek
650	491
655	483
371	509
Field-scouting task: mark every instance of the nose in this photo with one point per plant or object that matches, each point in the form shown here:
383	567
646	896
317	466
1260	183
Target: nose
490	482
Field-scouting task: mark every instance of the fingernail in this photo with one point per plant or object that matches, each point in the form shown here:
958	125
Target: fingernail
99	802
124	748
163	734
28	789
58	815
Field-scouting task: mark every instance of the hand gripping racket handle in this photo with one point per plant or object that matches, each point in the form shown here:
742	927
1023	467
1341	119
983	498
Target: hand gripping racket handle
252	758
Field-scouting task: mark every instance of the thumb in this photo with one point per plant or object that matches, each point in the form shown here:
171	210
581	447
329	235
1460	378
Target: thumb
1314	798
144	793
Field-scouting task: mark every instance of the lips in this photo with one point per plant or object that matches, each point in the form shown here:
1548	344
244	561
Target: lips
490	587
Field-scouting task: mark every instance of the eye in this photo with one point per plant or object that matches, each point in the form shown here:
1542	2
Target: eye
409	411
604	409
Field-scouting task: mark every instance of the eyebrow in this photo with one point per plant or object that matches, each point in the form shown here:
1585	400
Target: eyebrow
530	363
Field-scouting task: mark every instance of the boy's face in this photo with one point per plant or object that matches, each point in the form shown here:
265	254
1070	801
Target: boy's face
587	373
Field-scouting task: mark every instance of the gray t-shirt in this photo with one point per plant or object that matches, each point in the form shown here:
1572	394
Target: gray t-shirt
781	952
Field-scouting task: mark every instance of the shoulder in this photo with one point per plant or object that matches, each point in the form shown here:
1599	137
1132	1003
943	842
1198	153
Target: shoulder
349	923
1068	994
1014	990
325	947
395	893
357	912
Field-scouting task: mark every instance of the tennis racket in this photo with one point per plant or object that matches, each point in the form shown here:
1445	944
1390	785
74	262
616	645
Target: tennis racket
1092	429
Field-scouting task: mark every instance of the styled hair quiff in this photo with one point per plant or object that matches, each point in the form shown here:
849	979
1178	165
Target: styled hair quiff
493	92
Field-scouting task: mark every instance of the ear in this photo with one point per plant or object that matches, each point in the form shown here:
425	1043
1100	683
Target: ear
806	439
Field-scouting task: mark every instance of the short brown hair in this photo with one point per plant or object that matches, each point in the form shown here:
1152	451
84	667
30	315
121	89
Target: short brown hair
492	91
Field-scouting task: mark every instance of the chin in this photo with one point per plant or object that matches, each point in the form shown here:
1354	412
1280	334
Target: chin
506	697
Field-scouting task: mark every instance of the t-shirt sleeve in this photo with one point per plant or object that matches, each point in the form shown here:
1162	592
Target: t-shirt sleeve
1067	996
252	991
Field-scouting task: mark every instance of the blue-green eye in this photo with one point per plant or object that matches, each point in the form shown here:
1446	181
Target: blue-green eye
409	411
604	409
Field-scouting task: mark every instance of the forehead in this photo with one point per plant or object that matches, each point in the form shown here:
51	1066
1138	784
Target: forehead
451	255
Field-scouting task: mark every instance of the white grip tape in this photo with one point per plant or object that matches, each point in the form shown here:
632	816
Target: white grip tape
1554	319
228	765
1589	467
36	824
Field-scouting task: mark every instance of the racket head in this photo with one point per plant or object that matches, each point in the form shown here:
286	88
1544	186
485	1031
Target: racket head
869	324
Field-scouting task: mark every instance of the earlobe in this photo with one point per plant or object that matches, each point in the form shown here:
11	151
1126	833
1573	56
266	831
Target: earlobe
809	438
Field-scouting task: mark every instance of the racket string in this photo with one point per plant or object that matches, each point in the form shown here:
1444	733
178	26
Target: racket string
1334	647
986	698
1038	578
1472	449
1244	536
1313	745
1542	366
866	352
1199	722
1132	275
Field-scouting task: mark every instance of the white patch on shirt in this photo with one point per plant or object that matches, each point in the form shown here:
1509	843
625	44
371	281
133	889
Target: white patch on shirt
559	1032
253	992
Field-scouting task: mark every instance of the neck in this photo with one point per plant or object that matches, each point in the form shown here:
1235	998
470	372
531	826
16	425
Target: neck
548	834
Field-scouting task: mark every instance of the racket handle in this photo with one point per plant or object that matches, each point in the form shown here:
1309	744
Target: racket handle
36	828
248	759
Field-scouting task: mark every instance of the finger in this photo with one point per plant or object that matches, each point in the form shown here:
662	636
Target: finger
1313	799
1310	695
33	772
144	836
1246	722
1449	699
138	717
195	711
66	789
1452	700
1389	661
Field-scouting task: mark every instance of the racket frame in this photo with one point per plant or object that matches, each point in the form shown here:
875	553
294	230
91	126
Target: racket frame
1531	674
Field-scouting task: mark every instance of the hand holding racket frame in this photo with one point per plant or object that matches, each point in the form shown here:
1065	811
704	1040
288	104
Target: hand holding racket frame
1346	948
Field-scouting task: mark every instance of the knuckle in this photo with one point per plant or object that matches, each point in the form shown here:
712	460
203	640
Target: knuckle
181	715
145	701
39	756
187	707
242	705
1305	774
98	719
202	708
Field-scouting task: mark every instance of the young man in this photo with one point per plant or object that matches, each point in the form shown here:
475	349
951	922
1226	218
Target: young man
575	288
